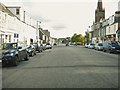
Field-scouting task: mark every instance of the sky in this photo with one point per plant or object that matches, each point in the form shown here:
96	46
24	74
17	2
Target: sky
63	18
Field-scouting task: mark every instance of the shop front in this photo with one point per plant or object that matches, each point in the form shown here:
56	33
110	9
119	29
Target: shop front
111	37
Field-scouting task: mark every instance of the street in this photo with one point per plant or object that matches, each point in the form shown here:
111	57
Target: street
64	67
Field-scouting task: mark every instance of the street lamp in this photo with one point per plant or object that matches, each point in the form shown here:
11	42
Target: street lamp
37	31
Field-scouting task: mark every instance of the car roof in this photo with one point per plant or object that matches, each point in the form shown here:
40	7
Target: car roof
10	43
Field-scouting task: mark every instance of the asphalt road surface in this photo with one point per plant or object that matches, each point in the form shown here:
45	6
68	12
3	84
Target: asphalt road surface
64	67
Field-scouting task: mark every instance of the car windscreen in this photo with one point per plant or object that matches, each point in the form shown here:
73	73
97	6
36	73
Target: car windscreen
100	44
48	44
115	44
9	46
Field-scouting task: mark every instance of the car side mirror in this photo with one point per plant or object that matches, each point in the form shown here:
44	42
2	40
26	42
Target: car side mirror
20	47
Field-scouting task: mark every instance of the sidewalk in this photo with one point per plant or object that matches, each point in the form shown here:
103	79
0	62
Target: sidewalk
0	55
0	58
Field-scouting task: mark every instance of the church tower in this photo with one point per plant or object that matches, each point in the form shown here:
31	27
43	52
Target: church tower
99	12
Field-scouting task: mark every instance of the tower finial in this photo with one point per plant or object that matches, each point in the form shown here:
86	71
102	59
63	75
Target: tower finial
99	6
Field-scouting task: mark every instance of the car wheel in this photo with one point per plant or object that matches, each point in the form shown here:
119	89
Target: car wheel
103	50
35	53
16	61
109	51
39	51
27	57
32	54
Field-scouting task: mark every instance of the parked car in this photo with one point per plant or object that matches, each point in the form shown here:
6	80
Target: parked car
55	44
111	46
38	47
86	45
43	46
31	50
48	46
99	46
67	44
91	46
12	54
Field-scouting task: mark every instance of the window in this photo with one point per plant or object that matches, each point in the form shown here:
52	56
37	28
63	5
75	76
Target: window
17	11
9	38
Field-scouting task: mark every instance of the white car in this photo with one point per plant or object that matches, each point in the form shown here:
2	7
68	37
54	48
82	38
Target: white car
99	46
91	46
48	46
86	45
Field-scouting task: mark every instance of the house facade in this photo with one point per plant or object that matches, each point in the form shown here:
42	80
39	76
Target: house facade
12	29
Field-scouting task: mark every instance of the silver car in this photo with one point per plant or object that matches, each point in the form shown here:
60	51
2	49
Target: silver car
99	46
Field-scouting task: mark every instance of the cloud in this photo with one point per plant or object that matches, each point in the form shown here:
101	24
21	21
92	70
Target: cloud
59	27
44	19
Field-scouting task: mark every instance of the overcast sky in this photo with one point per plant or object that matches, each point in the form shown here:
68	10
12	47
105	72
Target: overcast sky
63	18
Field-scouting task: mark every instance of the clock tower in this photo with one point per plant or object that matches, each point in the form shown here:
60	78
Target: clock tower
99	12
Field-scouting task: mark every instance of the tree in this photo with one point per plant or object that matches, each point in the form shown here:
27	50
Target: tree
78	39
68	39
87	37
73	39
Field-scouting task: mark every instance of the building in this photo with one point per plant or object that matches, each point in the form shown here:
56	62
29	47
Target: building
99	12
95	28
46	36
102	33
117	19
17	26
97	33
105	29
7	25
22	15
111	29
14	29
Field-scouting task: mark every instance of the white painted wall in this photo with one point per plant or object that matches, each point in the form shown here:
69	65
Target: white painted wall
21	15
12	25
25	32
111	29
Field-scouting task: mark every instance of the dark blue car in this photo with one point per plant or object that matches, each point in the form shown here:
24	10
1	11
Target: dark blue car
12	54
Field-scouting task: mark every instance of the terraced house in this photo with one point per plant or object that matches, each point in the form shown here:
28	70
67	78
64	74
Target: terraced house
105	29
17	26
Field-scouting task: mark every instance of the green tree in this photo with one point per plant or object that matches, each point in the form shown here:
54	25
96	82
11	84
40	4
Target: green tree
78	39
68	39
73	39
87	37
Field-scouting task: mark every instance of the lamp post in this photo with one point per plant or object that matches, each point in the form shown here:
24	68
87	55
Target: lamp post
37	31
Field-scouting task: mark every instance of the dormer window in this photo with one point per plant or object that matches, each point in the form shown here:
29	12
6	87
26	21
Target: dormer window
17	11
